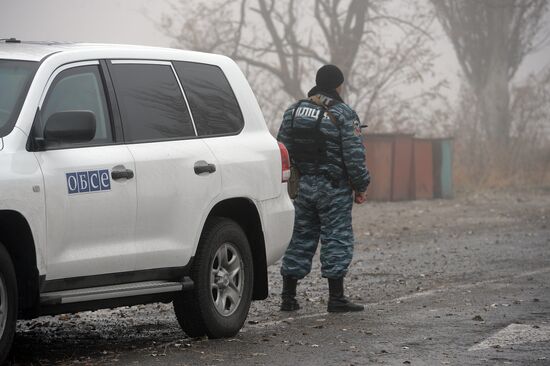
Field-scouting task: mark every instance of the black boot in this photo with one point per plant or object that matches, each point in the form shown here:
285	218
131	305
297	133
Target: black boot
337	302
288	295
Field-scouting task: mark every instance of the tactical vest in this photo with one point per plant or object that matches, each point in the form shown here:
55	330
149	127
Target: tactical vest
309	143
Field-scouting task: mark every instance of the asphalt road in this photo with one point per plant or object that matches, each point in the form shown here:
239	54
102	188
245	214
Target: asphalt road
445	282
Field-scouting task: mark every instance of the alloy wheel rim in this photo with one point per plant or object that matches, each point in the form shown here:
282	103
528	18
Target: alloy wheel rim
226	279
3	305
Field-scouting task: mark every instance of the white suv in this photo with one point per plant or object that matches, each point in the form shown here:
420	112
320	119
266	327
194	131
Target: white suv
131	175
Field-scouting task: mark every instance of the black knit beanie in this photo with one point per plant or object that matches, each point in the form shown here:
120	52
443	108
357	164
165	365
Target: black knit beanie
329	77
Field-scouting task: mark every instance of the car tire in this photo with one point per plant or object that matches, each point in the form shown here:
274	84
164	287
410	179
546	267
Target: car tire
8	303
223	276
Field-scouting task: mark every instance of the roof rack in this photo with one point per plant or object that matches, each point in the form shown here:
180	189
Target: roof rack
10	40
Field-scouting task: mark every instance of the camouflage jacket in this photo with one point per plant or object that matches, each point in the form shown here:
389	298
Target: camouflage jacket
344	146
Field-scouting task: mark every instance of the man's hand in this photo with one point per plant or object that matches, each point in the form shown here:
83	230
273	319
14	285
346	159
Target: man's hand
360	197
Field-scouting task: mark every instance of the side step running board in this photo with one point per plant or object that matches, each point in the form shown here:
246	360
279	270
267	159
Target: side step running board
115	291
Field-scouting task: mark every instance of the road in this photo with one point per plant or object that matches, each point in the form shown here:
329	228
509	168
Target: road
445	282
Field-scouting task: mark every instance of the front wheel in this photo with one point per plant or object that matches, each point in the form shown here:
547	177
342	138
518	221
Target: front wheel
8	303
223	279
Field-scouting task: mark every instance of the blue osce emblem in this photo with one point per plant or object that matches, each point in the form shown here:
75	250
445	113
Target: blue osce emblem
88	181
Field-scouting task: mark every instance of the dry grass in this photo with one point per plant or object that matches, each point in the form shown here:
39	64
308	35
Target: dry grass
513	167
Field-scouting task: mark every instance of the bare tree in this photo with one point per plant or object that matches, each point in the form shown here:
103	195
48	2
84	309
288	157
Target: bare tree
491	38
530	135
279	47
281	43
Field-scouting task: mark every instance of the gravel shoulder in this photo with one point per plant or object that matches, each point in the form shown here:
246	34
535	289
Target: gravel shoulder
425	269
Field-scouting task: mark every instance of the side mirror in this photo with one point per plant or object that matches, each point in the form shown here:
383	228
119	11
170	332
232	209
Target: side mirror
70	127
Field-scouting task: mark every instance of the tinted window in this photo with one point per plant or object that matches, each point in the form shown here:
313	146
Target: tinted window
15	78
79	89
213	104
151	103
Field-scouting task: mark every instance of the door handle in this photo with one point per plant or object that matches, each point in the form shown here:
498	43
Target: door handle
202	166
118	173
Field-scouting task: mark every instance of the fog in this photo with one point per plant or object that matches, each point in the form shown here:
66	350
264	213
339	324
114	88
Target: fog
136	22
104	21
447	114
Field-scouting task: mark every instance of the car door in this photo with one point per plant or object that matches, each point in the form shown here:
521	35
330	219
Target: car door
249	160
90	197
177	178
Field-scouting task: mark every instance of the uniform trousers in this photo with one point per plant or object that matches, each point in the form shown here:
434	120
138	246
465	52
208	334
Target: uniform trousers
322	212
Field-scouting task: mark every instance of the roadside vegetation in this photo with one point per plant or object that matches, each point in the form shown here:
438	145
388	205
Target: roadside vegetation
388	49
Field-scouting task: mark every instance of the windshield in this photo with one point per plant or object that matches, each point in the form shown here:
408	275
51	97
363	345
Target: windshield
15	78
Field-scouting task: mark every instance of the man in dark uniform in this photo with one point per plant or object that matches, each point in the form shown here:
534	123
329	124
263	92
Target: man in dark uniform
323	137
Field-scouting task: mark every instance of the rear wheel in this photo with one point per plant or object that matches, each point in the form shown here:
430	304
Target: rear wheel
8	303
223	277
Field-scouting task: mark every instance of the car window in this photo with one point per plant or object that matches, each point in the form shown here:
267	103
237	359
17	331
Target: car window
151	103
79	89
15	78
211	99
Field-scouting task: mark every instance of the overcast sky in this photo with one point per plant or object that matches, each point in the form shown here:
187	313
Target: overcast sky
132	21
111	21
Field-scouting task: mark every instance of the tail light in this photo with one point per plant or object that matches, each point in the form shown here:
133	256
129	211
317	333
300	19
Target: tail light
285	162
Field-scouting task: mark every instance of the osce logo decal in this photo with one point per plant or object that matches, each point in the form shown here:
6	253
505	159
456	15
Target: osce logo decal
90	181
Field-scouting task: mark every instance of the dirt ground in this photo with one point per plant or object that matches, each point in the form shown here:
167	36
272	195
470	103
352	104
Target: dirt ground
415	263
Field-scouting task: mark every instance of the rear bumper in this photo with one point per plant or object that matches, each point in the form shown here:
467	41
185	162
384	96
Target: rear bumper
278	223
